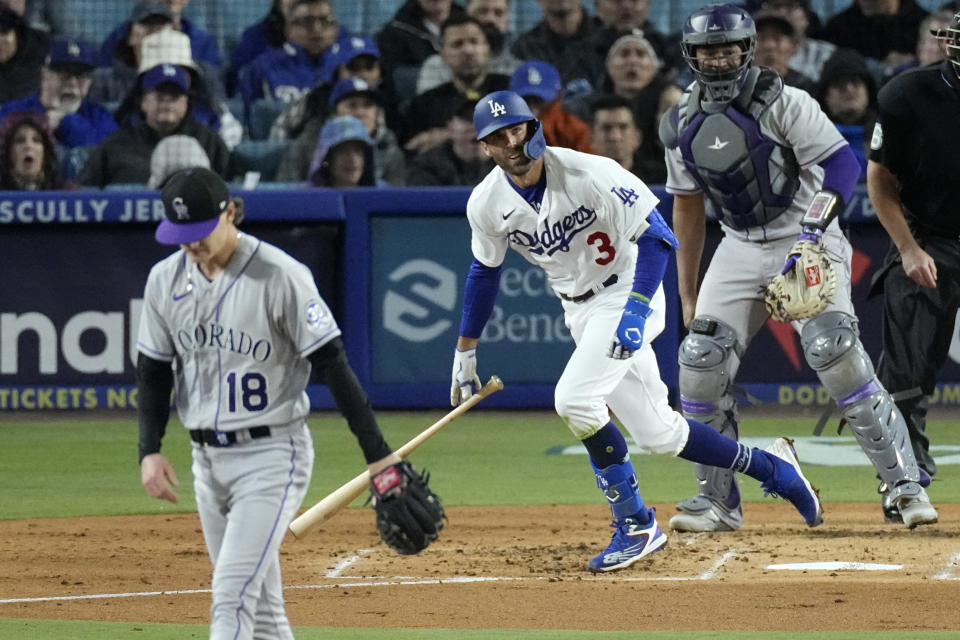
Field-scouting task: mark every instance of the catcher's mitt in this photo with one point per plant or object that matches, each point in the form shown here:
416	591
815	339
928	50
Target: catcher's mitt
806	285
409	514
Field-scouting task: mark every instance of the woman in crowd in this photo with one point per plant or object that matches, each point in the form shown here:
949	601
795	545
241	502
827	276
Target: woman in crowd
28	161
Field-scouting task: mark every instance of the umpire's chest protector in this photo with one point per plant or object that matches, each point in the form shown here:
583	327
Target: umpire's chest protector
748	178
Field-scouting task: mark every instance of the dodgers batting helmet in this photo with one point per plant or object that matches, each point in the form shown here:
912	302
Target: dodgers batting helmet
504	108
719	24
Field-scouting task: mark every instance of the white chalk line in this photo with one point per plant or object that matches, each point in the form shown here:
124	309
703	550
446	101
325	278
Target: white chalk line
346	562
950	573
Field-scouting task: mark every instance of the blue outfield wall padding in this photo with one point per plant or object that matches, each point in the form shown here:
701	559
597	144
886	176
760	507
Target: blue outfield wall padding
391	262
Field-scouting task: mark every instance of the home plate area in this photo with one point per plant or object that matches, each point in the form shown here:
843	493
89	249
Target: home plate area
554	544
509	568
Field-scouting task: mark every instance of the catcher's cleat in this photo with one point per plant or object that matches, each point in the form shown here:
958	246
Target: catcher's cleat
908	503
630	542
891	512
788	482
701	514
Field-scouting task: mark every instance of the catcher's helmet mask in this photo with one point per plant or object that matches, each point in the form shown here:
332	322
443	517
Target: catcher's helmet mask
719	24
950	36
500	109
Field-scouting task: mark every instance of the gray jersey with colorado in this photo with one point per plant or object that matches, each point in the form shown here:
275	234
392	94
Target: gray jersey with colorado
785	139
235	366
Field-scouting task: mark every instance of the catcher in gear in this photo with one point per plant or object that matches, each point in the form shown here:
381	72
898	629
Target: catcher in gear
766	162
245	325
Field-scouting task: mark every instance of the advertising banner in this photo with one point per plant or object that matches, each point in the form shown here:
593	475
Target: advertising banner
71	294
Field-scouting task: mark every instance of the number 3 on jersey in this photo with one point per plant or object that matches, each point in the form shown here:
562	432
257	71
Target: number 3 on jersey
253	392
607	251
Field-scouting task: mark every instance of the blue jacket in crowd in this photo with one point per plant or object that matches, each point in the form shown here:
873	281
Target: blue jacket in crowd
284	74
90	124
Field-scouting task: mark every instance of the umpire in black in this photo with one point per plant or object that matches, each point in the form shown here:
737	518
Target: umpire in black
914	186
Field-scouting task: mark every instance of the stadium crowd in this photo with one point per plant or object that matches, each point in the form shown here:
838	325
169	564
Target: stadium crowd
299	98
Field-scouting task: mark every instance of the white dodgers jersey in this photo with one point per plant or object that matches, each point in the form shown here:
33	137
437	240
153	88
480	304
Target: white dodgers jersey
592	212
238	344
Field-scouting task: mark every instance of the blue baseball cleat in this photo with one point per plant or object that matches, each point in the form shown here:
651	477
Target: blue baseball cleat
630	542
788	482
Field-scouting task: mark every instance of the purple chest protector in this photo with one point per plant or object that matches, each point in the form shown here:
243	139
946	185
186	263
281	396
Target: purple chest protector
748	178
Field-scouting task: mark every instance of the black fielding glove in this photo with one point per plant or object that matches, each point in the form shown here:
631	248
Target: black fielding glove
409	514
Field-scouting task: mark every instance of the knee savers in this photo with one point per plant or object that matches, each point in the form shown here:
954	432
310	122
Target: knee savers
705	365
831	345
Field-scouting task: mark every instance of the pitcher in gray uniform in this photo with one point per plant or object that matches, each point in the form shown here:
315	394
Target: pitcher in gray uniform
236	325
766	162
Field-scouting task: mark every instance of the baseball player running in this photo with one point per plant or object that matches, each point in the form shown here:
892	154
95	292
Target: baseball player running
593	228
235	325
775	171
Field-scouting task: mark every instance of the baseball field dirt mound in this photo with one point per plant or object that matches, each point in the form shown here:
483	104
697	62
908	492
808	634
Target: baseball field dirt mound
517	567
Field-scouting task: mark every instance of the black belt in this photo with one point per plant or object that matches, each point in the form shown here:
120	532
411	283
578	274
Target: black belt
211	438
583	297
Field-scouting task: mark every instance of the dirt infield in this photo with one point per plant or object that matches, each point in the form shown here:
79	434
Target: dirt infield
512	567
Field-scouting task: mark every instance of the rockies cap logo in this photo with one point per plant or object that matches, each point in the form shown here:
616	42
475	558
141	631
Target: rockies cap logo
497	109
180	207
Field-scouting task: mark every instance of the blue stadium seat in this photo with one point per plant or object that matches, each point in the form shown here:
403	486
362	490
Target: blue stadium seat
262	114
263	156
405	81
72	161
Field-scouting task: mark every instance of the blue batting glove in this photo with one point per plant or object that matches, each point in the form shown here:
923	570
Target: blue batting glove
630	330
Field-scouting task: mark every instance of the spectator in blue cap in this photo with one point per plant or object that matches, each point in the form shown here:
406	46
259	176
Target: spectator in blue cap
354	57
22	51
203	45
344	156
124	156
539	84
65	82
349	97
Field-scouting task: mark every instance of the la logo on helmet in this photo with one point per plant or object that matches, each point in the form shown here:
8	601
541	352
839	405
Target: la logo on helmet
496	109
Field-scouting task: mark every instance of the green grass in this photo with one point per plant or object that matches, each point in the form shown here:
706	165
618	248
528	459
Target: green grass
65	630
67	467
70	468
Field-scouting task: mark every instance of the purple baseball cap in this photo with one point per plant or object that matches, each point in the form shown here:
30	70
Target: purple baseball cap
165	74
193	200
